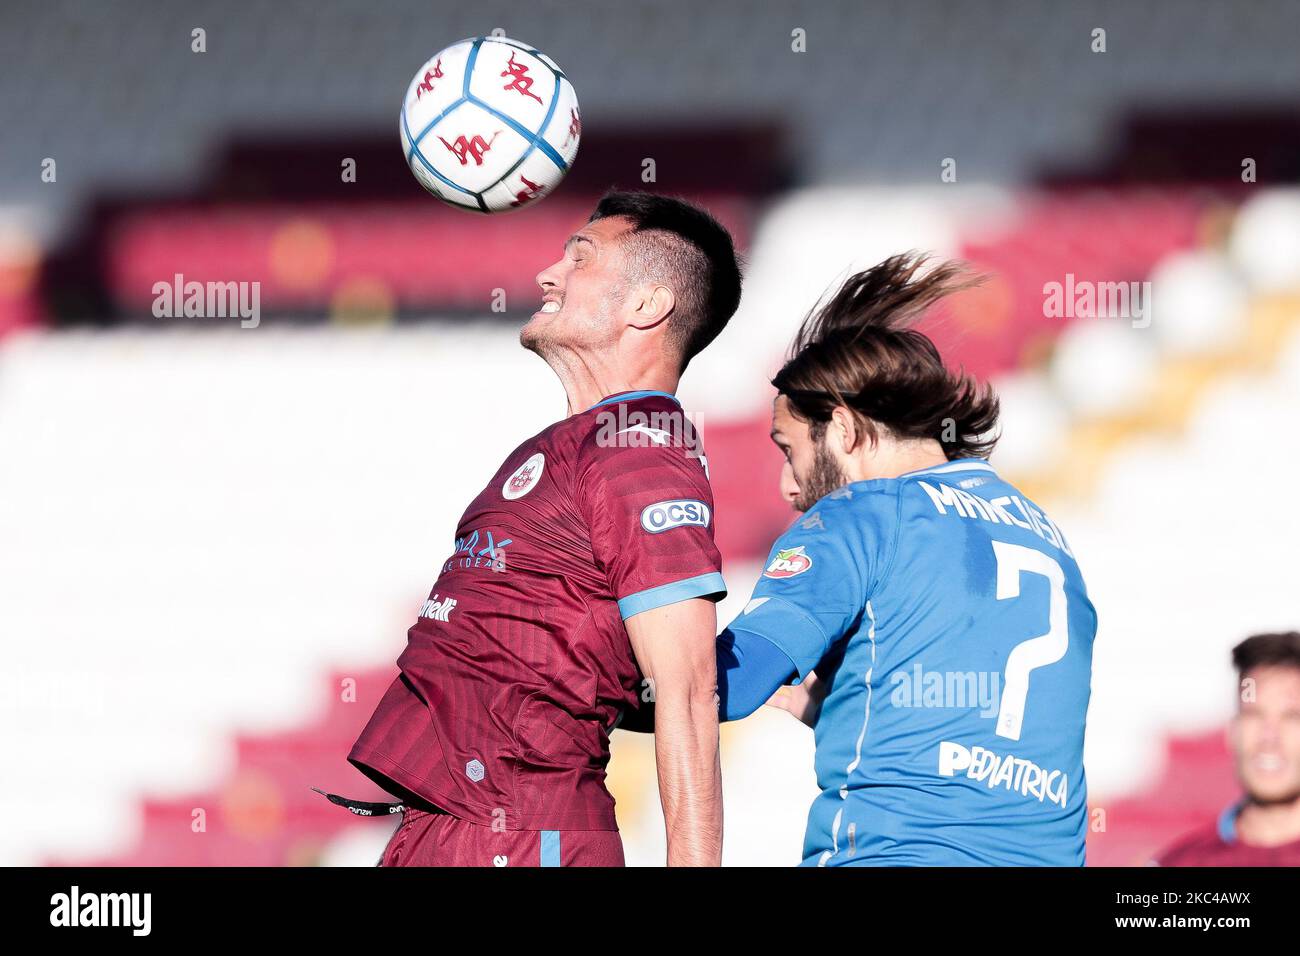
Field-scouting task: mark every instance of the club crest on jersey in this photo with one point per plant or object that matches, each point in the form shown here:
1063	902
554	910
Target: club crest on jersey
525	478
789	562
663	515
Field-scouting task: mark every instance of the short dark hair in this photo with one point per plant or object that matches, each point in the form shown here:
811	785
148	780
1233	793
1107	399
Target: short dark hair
673	239
1263	650
858	350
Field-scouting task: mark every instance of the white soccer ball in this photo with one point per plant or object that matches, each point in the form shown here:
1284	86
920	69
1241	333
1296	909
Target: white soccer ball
490	124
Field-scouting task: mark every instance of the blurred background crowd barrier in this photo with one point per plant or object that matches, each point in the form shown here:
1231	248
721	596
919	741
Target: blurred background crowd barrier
213	538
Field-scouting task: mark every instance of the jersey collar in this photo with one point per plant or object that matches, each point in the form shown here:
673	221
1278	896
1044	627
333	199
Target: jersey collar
959	464
632	396
1227	826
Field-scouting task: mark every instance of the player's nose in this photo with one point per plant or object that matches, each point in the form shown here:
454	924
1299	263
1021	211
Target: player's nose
789	487
1269	735
549	278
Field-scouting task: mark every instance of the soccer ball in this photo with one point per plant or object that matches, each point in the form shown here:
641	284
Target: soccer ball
489	124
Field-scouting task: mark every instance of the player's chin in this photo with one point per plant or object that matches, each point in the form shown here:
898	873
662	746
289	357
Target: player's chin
532	336
1271	788
543	332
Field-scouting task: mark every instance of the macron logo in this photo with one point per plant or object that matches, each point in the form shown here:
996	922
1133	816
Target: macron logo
102	909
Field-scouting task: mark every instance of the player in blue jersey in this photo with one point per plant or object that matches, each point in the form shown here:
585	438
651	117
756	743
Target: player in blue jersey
933	617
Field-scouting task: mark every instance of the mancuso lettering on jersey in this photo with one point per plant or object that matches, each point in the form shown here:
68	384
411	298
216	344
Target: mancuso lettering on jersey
1008	509
1015	774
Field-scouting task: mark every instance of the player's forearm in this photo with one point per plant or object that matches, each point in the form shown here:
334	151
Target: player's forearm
674	646
690	776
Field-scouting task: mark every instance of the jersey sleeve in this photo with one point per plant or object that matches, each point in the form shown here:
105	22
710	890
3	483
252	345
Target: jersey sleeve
820	575
650	511
750	669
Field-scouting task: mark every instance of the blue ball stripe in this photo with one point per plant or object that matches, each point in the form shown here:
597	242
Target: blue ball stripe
417	154
432	123
535	139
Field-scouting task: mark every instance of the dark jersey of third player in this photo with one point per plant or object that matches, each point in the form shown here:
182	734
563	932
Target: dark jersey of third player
1218	844
519	663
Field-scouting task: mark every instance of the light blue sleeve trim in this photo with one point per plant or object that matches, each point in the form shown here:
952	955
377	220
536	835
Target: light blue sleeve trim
684	590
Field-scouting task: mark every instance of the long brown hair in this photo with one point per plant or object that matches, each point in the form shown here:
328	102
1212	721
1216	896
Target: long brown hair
858	349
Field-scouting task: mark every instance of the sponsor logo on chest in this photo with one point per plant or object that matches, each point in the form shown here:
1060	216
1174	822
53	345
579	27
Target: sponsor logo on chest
479	548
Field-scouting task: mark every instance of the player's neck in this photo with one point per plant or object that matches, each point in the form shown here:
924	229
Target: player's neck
588	382
889	459
1271	824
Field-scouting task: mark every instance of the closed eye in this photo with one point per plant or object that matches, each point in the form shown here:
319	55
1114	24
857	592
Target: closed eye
578	248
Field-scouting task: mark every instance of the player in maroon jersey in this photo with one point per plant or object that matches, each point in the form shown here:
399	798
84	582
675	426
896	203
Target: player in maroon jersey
1263	828
586	562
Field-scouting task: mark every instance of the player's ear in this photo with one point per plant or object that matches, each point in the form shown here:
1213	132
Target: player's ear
654	303
845	430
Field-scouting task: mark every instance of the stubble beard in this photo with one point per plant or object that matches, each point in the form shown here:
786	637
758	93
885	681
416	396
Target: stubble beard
827	476
558	352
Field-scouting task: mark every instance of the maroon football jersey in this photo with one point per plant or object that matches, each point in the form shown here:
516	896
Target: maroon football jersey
1217	844
519	664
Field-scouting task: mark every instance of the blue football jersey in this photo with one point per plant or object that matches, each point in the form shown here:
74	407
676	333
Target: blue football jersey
951	621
